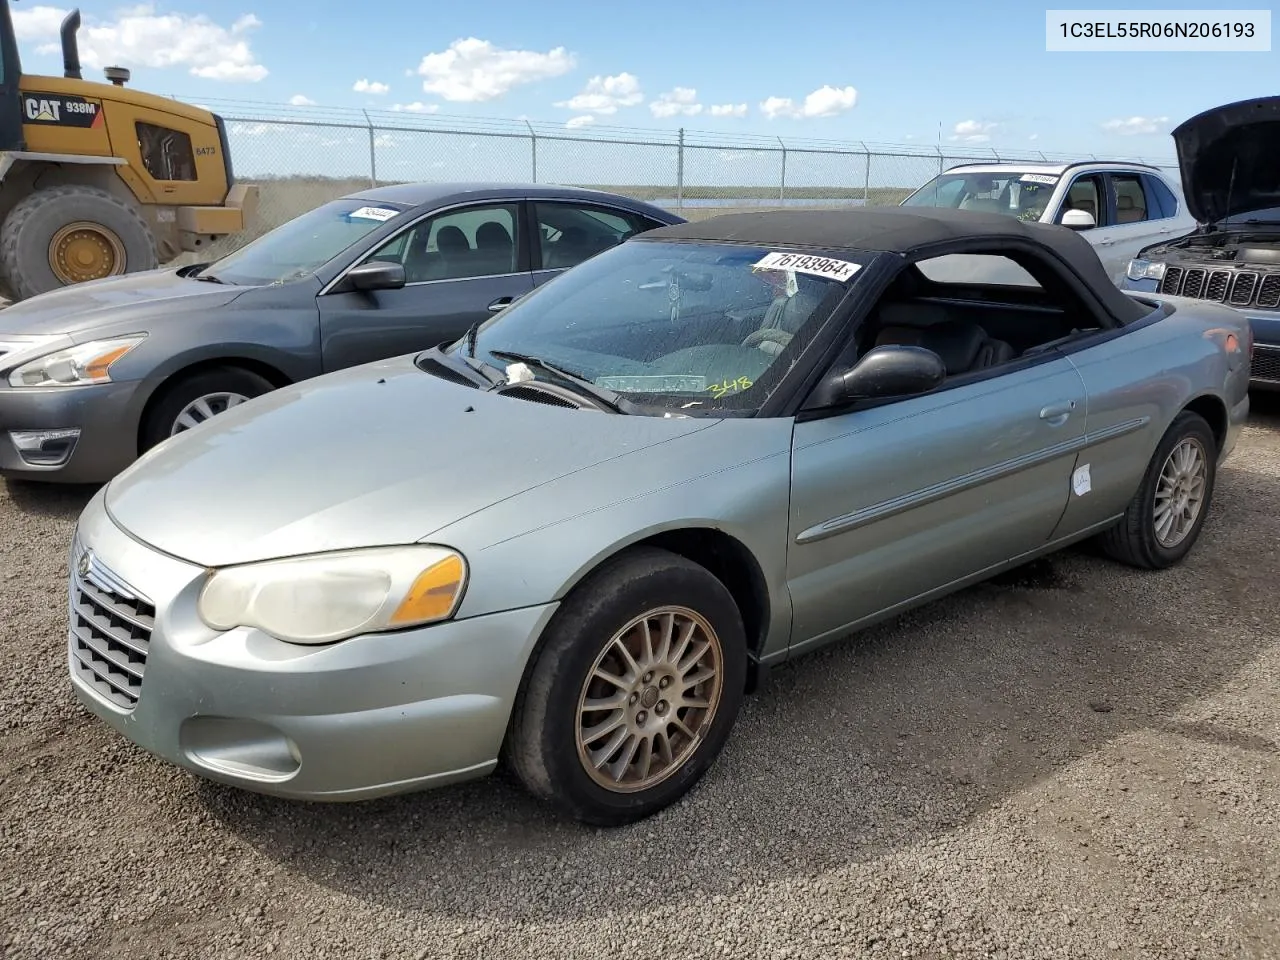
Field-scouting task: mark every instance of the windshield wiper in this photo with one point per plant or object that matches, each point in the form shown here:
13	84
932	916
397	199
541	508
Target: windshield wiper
608	397
473	370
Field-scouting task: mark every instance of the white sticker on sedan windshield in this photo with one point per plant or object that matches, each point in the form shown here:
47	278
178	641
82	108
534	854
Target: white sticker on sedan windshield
804	263
373	213
1038	178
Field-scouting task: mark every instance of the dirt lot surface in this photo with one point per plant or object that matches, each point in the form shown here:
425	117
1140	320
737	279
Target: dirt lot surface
1078	761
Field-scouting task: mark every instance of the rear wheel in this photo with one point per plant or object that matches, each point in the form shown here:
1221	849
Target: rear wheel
69	234
633	695
1166	515
193	399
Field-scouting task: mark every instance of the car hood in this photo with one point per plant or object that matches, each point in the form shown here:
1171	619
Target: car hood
1239	138
82	309
375	455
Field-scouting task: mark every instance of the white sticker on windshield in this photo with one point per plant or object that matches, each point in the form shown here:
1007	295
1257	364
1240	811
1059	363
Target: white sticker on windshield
804	263
1038	178
373	213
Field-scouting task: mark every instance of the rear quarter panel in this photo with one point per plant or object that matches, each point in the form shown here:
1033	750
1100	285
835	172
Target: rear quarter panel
1138	382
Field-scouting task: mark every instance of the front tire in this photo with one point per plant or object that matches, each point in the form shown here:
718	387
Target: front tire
64	235
634	693
193	399
1166	515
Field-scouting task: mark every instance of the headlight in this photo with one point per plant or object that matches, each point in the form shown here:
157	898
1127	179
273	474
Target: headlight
84	363
332	596
1145	270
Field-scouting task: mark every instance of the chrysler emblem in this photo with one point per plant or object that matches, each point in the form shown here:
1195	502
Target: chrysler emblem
84	563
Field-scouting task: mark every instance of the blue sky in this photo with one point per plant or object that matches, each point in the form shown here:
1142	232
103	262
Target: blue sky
884	72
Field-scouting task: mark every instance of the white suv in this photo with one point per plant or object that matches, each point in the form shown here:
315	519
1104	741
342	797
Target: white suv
1118	207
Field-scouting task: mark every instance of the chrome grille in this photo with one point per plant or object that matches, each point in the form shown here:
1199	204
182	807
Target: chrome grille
1193	283
1266	364
1216	286
110	633
1242	289
1269	293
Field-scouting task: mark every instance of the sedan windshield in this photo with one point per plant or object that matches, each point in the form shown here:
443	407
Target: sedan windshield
303	244
1015	193
692	326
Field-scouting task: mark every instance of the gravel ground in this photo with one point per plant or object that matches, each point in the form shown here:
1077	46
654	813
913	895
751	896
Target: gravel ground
1077	761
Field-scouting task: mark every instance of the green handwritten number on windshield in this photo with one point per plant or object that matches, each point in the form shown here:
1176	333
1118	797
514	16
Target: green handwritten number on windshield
719	390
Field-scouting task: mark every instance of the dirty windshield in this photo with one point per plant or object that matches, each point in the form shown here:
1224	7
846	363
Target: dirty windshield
1015	193
678	325
304	244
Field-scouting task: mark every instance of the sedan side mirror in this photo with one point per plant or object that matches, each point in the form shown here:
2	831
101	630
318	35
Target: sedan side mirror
375	275
888	371
1078	220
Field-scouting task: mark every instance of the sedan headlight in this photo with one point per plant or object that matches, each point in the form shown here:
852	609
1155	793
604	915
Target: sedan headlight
332	596
1145	270
82	364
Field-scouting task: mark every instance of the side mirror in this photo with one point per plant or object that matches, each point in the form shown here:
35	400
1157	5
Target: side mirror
889	371
1078	220
375	275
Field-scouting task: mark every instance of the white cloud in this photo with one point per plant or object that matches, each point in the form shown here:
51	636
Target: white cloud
606	94
729	110
826	101
250	129
298	100
471	70
973	131
416	107
577	123
382	140
1034	136
140	37
1135	125
370	86
680	101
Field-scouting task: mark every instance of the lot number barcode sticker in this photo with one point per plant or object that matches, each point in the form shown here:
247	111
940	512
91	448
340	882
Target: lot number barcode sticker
1038	178
803	263
373	213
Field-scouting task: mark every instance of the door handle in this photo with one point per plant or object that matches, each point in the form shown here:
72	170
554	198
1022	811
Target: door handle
1056	414
499	304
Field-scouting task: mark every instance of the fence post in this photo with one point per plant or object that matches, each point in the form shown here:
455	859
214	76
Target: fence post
680	171
782	183
939	149
866	175
373	153
533	139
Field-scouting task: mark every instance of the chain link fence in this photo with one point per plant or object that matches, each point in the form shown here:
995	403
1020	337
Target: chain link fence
301	157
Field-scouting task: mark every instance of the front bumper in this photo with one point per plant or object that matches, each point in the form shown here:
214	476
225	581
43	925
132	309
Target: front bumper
104	414
366	717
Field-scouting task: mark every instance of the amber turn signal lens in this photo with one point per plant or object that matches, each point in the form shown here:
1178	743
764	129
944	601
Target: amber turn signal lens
433	593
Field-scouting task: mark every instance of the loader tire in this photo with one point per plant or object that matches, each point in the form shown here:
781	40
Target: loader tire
87	232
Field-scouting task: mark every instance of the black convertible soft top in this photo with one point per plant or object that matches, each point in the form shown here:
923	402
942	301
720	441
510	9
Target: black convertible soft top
905	231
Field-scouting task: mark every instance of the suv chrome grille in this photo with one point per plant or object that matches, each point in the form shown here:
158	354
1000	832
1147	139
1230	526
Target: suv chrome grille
1239	288
110	633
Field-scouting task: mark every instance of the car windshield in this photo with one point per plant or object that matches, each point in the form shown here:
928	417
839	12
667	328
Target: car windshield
304	244
1016	193
689	326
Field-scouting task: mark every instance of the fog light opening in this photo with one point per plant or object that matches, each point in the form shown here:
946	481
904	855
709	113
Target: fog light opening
44	448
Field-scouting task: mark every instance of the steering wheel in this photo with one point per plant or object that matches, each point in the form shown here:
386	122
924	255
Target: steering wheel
757	338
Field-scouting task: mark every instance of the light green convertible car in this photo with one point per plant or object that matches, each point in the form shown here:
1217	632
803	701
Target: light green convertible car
573	540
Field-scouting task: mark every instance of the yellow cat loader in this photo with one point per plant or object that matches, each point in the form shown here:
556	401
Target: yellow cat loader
98	180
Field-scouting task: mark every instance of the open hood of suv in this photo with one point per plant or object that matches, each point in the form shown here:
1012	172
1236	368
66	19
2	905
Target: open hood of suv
1240	138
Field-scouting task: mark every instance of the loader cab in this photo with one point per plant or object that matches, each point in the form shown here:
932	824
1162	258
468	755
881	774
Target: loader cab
10	74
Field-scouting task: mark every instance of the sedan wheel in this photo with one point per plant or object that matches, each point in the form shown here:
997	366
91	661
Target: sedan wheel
649	699
194	398
1169	509
203	408
633	692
